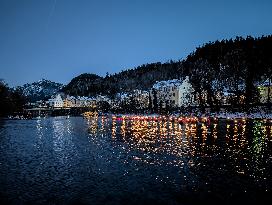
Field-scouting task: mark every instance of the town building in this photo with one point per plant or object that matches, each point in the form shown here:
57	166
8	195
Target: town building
265	91
60	101
56	102
69	101
186	94
165	93
172	93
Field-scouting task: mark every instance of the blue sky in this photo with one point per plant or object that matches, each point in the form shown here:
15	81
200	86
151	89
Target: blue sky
60	39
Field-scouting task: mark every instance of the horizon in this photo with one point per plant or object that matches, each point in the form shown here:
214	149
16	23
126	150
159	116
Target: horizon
42	40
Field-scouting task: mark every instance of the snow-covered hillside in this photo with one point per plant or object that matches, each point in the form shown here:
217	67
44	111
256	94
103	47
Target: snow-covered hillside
40	90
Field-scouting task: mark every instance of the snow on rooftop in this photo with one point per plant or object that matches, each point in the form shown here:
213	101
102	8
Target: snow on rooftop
167	83
226	93
122	95
267	82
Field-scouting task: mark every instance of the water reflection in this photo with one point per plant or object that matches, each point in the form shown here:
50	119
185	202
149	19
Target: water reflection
39	128
162	140
106	157
62	139
59	131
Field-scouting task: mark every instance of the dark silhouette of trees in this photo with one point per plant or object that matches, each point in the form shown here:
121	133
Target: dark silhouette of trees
234	66
11	101
154	100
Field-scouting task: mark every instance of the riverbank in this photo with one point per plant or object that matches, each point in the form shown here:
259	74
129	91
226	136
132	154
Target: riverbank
218	115
226	115
259	115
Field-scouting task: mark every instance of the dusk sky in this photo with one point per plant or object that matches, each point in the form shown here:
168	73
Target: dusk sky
60	39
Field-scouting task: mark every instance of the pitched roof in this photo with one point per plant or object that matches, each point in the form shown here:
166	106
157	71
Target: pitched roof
267	82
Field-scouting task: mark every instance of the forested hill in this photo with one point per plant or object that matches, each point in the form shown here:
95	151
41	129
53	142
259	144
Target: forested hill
233	66
229	65
142	77
84	85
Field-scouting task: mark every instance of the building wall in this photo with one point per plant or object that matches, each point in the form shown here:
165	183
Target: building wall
166	95
264	90
175	94
56	102
186	94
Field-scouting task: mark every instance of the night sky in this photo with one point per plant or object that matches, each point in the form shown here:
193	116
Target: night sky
60	39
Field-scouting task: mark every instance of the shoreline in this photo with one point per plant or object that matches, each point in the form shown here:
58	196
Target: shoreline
222	116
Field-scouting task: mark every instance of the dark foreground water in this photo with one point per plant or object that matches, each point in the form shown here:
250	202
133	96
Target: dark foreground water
114	161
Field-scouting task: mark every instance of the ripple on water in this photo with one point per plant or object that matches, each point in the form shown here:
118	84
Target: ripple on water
134	160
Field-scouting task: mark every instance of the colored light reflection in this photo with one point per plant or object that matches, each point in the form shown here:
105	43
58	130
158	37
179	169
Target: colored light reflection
169	140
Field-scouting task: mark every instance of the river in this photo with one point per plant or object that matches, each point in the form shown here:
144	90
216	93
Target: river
135	160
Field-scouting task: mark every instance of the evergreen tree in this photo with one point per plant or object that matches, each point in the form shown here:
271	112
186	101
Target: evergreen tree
155	100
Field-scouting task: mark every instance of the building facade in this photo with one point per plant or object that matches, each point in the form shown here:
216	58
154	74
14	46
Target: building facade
186	94
172	93
56	102
265	91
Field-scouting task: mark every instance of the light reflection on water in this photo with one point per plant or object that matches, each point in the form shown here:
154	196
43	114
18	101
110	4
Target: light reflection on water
123	158
62	140
243	143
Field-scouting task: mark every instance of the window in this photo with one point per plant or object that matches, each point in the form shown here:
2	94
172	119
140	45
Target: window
174	94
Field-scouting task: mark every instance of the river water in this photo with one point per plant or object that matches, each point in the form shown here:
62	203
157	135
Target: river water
105	160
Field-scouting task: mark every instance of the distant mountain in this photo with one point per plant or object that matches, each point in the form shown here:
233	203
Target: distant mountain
40	90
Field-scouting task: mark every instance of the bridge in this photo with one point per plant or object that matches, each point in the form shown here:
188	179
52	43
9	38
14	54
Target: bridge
75	111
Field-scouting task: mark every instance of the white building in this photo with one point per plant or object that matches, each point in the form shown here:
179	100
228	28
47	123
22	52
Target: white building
56	102
186	93
173	93
166	93
71	101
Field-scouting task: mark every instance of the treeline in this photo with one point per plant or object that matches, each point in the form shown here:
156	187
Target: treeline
234	66
229	66
141	77
12	101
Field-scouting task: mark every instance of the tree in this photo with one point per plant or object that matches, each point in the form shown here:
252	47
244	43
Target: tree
155	100
11	100
150	102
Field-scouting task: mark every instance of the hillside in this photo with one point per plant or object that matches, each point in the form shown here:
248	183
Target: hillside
232	66
142	77
39	90
84	85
